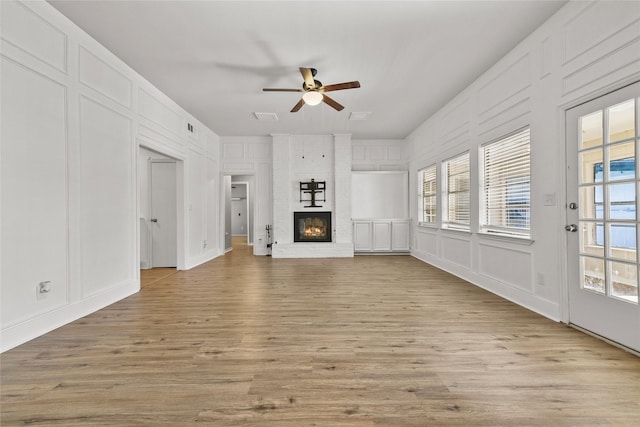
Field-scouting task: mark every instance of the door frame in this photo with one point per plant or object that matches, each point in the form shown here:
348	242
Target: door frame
248	191
562	190
181	206
251	212
561	114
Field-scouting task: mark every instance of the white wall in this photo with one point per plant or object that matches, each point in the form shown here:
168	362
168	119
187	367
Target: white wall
380	195
585	50
72	118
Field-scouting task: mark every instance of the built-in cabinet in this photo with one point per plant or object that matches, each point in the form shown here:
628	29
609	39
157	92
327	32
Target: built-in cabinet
380	206
381	235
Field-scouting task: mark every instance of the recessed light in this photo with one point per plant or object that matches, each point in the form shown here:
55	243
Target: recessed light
266	117
359	115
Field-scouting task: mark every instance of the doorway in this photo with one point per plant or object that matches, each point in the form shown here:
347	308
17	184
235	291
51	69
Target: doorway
159	198
238	211
602	221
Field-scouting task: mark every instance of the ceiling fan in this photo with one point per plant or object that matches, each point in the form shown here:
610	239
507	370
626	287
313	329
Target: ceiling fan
314	91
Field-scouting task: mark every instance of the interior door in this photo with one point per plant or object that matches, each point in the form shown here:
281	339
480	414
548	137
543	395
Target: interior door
163	211
602	219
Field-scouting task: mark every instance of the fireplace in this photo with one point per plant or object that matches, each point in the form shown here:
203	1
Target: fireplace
312	226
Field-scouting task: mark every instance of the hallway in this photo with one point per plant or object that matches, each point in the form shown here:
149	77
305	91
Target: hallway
367	341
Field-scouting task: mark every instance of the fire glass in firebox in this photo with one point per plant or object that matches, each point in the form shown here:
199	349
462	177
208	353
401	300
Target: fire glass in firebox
312	226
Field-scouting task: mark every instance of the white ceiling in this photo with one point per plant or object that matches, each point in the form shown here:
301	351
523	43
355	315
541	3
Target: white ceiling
214	57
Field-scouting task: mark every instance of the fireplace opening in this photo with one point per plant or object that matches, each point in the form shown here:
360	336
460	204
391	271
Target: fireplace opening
312	226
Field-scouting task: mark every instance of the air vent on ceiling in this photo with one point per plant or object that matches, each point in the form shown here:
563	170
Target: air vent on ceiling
266	117
359	115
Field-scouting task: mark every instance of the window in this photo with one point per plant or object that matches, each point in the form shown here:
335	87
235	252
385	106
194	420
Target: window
428	205
622	203
456	192
506	185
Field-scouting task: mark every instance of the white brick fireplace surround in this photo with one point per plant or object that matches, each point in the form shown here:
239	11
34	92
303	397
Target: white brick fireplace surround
302	158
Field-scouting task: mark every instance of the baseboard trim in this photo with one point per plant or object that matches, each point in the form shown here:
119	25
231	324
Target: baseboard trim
27	330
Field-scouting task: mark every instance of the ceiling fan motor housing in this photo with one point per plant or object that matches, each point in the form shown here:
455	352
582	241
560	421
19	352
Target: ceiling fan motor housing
318	84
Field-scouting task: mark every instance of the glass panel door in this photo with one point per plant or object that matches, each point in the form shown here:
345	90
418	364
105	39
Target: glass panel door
602	178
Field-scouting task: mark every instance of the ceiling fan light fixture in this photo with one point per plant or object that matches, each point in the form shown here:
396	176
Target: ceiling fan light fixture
312	98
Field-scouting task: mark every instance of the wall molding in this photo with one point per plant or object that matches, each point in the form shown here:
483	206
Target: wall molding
39	325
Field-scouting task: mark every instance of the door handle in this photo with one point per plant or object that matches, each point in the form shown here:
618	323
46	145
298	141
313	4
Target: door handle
571	227
154	220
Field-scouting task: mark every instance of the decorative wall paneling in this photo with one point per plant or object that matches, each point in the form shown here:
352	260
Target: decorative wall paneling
583	51
153	109
455	248
100	76
107	198
600	44
376	155
506	265
212	194
32	33
34	230
453	129
73	115
425	241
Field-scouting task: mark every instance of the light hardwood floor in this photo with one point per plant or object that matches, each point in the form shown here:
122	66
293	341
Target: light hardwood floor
370	341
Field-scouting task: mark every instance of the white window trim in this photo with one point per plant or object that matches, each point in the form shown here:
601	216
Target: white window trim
444	199
493	231
506	237
433	224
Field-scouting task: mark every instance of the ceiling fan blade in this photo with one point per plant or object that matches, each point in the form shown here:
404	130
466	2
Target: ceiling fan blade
340	86
298	106
282	90
307	75
331	102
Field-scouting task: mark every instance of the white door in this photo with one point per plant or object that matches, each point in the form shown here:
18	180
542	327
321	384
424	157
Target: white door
163	213
602	219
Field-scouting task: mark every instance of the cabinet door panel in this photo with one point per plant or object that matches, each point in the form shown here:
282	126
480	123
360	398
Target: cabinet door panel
362	236
381	235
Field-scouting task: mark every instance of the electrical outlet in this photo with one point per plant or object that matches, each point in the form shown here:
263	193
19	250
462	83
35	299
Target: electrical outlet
540	279
43	289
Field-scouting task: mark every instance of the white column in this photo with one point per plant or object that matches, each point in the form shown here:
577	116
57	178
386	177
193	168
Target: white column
282	213
342	159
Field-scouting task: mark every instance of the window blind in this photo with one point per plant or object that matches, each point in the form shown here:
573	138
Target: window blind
429	200
457	172
507	183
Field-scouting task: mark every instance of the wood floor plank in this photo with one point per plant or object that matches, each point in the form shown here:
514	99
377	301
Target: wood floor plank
362	342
